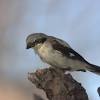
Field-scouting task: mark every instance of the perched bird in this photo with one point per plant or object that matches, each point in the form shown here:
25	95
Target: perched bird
58	53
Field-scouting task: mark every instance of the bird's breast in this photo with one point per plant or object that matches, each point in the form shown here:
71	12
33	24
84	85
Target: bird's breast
56	58
45	51
51	56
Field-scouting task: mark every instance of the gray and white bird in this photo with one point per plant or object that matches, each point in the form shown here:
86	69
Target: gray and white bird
58	53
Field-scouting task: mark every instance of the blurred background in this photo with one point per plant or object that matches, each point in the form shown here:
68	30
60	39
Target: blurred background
75	21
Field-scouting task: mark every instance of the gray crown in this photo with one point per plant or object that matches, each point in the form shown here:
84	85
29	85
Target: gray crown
32	37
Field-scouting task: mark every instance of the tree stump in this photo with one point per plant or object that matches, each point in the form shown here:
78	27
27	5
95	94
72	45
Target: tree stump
57	85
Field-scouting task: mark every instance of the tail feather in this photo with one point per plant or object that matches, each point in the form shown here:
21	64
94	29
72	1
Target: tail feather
94	68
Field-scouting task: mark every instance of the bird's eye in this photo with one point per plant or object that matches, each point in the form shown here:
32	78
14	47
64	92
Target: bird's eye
39	40
36	41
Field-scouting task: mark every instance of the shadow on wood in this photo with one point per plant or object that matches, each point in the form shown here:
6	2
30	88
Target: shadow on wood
57	85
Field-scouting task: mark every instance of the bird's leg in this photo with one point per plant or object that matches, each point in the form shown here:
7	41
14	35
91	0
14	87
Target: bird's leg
56	69
60	70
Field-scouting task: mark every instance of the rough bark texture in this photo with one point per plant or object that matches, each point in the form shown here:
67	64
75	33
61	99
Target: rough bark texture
57	85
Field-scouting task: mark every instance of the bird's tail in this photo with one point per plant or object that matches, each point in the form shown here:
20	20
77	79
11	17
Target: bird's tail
93	68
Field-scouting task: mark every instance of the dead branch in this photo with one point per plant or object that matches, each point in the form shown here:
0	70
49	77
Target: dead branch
57	85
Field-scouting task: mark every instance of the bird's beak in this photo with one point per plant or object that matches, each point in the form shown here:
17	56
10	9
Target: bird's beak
29	45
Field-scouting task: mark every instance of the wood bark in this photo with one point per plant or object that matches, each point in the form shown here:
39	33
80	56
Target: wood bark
57	85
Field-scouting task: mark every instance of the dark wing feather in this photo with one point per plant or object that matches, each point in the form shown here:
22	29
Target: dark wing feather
66	51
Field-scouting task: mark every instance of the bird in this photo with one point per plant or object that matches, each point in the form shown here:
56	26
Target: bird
58	53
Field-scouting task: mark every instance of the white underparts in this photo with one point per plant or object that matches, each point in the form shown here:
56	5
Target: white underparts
55	58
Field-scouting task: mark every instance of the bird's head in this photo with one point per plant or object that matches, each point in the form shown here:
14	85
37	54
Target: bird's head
35	40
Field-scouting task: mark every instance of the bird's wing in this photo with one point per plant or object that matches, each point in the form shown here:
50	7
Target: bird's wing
60	41
65	49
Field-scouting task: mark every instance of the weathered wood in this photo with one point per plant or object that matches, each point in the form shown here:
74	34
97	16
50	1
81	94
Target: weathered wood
57	85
